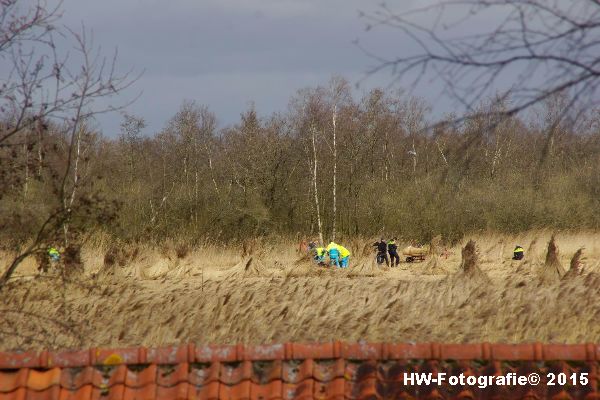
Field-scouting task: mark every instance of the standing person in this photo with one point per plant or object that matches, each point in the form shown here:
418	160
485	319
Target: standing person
382	251
392	248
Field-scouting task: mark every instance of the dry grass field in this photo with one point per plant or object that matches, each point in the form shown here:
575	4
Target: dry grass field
267	293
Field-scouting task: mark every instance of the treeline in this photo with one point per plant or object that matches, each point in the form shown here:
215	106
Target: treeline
331	162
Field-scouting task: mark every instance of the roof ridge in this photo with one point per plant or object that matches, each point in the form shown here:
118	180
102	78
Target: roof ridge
324	378
192	353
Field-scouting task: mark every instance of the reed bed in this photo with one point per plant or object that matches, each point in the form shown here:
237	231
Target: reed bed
270	293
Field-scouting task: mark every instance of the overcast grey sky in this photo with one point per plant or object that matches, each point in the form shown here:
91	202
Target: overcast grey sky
228	53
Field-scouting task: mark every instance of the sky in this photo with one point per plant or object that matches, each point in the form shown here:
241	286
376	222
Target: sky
228	54
231	54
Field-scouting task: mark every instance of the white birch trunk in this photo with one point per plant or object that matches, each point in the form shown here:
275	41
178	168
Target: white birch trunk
414	154
75	169
386	161
25	186
69	204
334	117
441	152
40	147
314	145
210	167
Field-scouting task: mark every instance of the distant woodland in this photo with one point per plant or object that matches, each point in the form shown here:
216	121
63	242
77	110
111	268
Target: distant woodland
333	163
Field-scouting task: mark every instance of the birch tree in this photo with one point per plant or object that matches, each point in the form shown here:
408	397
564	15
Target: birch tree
315	176
131	130
307	109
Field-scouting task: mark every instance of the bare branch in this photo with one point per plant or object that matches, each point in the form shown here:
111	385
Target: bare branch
543	47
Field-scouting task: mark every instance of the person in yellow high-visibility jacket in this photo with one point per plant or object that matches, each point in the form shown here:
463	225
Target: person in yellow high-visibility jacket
54	254
334	254
518	253
344	254
320	255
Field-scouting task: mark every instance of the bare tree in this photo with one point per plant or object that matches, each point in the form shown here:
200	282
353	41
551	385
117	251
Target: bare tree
43	86
131	129
339	94
535	48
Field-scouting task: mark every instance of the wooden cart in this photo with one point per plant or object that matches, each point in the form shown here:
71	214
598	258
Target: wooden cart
412	253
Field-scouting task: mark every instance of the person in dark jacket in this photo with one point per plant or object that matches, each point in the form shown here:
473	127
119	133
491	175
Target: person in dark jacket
382	251
392	248
518	253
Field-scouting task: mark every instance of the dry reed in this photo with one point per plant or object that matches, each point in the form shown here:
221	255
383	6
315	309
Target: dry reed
217	295
552	270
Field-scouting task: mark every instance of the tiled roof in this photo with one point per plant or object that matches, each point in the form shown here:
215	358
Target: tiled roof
333	370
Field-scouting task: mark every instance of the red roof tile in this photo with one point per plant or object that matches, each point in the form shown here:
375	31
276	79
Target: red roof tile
75	378
41	380
269	391
12	379
18	394
292	371
296	371
177	392
19	360
84	392
50	393
208	392
172	374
